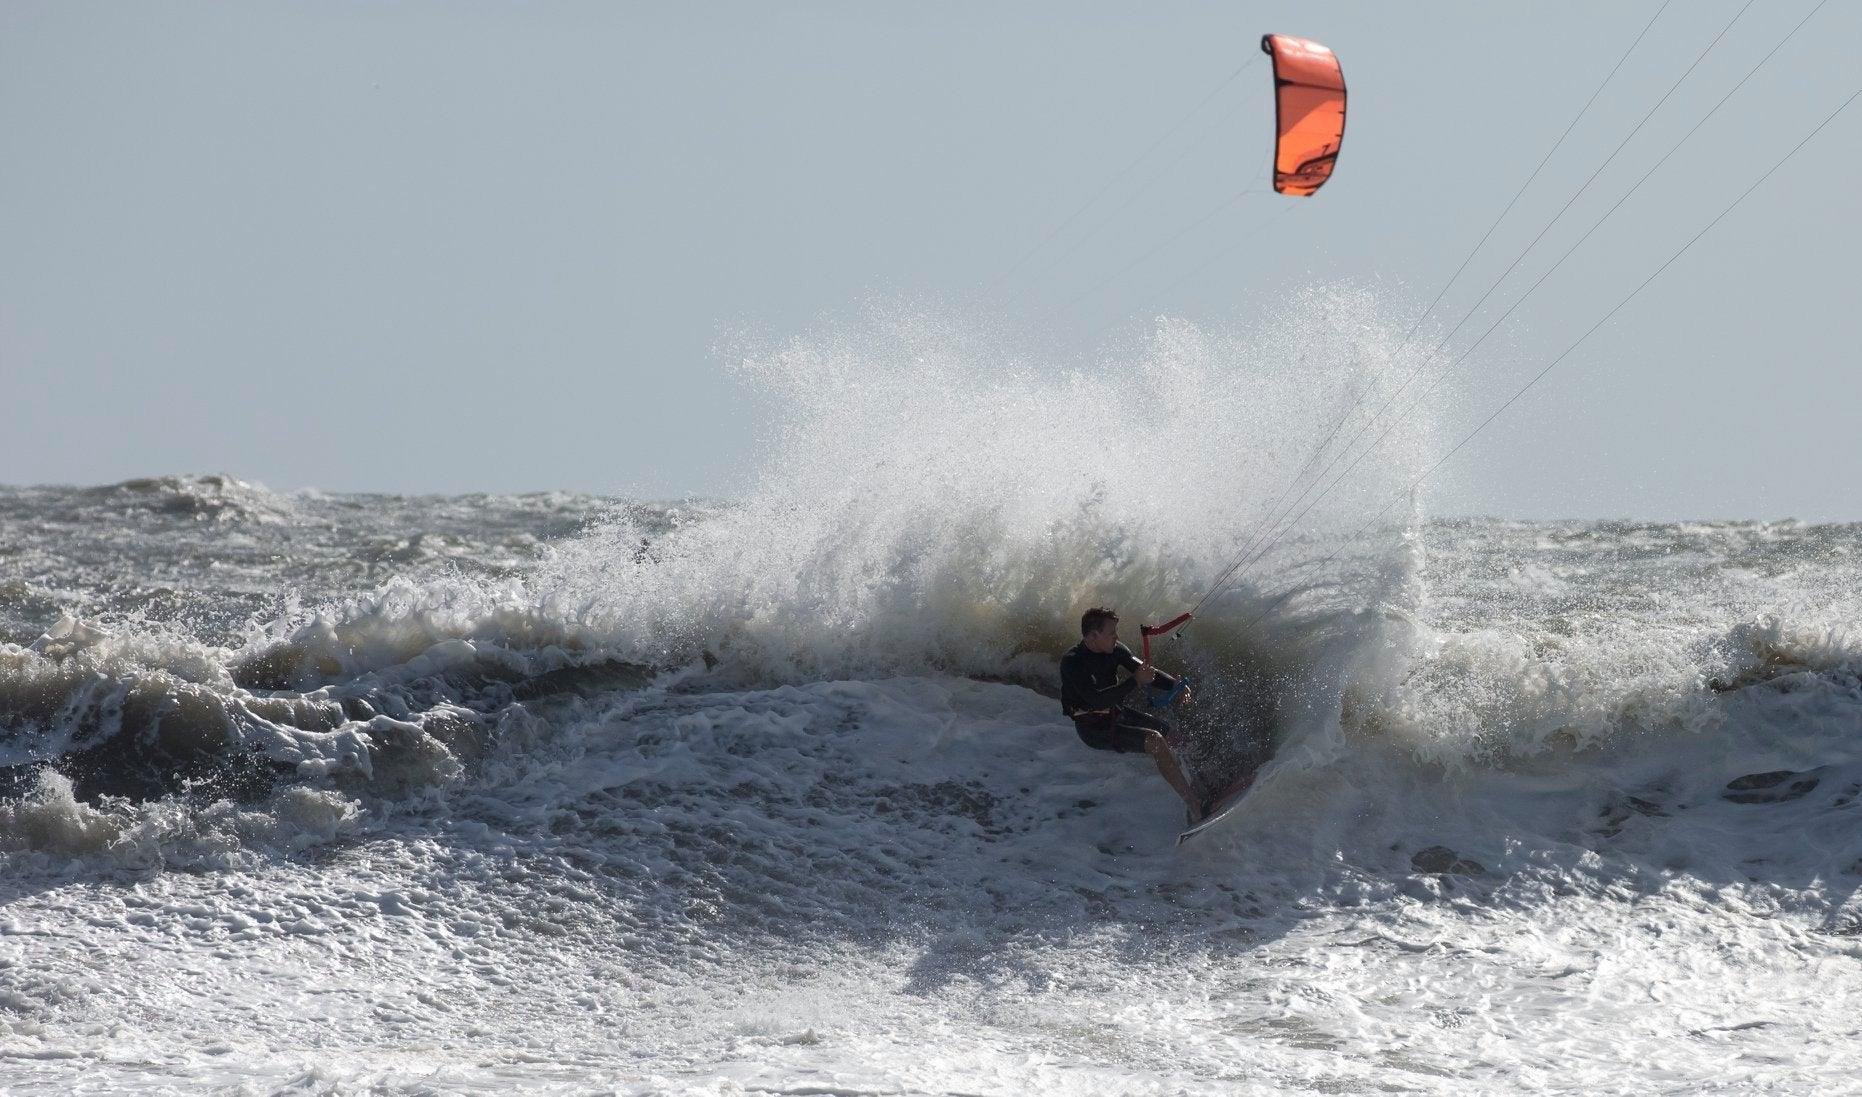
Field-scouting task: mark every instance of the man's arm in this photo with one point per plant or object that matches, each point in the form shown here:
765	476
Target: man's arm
1159	680
1077	682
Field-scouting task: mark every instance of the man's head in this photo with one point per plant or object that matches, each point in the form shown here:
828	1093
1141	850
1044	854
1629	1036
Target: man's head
1099	629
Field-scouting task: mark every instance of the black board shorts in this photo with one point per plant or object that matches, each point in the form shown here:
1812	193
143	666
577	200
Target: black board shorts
1123	731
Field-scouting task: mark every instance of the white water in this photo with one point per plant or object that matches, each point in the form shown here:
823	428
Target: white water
369	794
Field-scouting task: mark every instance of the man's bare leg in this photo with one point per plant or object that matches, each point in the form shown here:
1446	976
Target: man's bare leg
1172	770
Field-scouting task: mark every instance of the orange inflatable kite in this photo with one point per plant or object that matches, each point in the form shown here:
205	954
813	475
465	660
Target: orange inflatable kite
1309	92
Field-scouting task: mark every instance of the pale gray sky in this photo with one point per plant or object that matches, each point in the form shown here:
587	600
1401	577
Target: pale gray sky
459	246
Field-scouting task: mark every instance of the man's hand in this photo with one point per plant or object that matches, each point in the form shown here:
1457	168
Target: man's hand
1144	674
1184	697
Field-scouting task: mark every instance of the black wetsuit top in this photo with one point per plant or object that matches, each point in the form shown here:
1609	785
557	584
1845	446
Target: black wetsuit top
1089	681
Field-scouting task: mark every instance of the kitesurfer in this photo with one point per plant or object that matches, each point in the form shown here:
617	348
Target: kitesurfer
1094	696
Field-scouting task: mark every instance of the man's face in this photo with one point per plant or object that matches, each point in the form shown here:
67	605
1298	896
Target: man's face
1104	640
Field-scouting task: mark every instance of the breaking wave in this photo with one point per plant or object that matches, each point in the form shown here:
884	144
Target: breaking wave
931	504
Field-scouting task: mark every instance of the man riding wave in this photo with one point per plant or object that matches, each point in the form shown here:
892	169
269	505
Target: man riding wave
1092	693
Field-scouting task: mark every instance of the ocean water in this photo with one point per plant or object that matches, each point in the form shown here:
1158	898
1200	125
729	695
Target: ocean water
328	793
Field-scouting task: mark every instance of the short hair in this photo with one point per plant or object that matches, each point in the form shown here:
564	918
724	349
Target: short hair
1095	619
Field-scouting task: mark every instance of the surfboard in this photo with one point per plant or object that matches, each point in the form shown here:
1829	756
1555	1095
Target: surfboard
1229	799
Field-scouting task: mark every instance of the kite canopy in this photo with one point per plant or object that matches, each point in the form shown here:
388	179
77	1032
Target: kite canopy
1309	91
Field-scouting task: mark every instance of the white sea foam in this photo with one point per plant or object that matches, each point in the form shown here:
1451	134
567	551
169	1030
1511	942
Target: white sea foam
716	798
925	884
